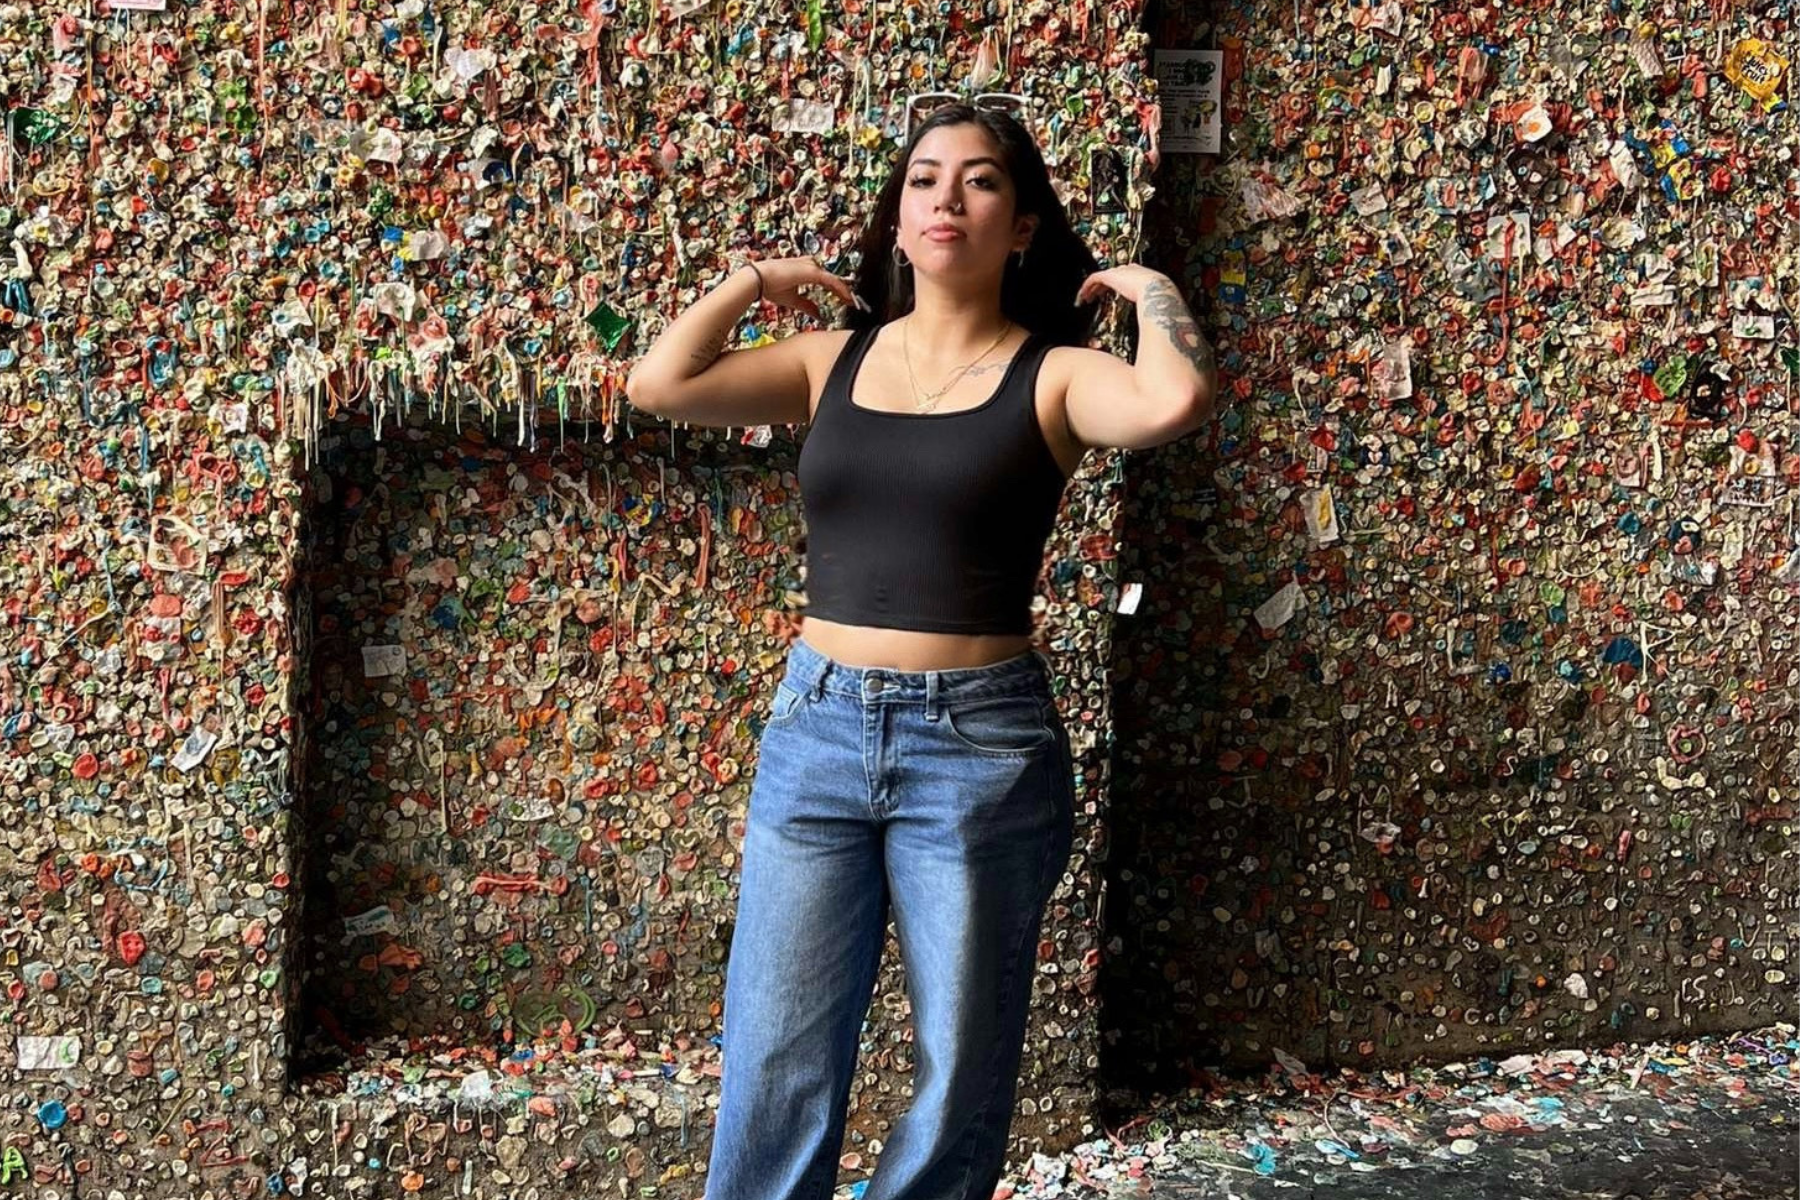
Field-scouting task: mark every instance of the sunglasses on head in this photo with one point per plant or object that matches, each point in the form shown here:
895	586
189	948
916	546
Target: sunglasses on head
924	102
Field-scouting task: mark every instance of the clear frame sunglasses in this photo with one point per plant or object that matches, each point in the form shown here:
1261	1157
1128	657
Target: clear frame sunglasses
924	102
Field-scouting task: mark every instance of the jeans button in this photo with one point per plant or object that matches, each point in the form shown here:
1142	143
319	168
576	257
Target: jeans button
874	686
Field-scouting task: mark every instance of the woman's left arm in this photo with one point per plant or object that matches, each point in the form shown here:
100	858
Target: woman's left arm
1167	393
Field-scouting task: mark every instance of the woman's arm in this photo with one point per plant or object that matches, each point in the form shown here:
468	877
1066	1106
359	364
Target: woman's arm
693	341
685	377
1167	393
1172	355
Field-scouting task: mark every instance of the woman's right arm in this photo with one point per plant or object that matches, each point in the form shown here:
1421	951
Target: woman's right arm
684	376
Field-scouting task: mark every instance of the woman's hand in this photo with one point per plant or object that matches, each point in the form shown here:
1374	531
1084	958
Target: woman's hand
782	279
1128	281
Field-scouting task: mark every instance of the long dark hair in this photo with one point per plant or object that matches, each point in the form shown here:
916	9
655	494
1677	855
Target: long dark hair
1039	295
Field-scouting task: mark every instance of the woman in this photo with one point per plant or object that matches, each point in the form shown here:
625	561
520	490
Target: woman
913	755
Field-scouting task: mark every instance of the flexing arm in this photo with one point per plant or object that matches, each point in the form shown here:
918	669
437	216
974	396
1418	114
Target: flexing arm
1167	392
685	376
692	342
1163	313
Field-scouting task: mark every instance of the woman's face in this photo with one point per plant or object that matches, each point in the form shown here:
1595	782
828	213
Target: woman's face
955	179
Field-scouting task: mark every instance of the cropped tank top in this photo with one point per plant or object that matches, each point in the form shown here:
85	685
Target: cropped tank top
928	521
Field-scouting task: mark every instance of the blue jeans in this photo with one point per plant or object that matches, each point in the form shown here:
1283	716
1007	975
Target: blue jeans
949	794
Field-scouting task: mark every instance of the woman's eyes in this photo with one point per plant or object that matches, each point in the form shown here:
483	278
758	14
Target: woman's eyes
983	180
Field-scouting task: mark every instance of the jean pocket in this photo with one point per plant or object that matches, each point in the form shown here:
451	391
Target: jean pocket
1006	725
788	703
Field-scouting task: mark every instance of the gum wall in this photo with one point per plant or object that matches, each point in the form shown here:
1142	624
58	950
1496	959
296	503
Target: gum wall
1459	714
379	692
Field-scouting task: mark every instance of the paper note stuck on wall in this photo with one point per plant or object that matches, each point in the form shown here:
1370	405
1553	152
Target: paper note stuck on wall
48	1053
1279	609
383	660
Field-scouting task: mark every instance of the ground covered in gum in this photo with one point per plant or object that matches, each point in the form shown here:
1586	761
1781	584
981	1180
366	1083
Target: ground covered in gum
1715	1118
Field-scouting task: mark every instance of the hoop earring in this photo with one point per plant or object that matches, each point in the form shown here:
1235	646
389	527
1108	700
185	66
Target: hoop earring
898	257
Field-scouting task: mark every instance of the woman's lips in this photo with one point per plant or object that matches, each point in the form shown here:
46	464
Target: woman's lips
943	235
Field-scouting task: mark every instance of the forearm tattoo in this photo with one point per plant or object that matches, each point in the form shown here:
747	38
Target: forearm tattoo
1163	308
709	350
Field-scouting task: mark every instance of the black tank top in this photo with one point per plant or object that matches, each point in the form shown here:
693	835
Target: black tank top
930	521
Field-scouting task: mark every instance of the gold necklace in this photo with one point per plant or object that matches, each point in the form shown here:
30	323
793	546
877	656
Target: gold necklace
931	398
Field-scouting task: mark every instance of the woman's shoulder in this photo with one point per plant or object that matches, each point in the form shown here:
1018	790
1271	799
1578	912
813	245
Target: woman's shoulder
820	349
1063	363
827	344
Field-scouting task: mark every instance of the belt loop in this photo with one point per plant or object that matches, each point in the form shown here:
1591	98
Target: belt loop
931	695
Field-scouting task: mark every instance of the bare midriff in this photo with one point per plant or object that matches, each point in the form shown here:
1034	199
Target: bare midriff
909	649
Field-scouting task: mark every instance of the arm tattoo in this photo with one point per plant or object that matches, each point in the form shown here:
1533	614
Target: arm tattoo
1163	307
709	350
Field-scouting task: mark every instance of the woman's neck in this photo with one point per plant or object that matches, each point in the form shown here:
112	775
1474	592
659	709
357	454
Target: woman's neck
955	327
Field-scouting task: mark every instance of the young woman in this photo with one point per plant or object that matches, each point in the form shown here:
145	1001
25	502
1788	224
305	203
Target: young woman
912	755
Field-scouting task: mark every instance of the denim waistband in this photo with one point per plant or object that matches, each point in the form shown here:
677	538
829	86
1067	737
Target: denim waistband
810	669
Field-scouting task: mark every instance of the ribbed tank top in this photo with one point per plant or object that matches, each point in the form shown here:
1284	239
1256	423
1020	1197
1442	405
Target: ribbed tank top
928	521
